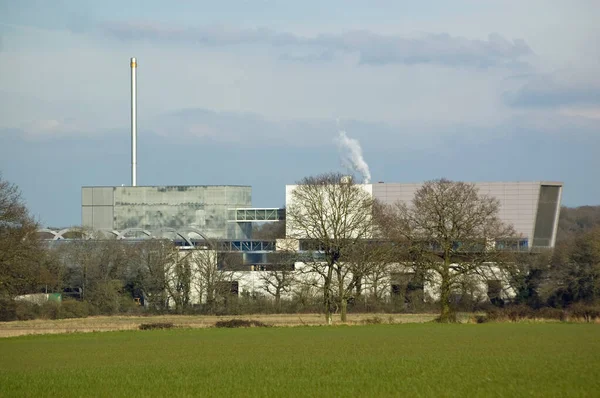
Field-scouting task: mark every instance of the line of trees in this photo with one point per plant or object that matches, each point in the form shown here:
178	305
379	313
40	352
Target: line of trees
357	254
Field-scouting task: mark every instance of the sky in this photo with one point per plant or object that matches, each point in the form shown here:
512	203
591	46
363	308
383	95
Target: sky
254	93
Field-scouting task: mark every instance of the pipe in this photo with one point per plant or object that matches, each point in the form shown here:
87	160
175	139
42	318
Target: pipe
133	65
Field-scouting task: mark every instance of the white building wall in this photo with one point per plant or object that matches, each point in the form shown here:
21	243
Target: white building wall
289	202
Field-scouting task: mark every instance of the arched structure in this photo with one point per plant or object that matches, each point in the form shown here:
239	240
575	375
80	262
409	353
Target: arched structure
101	234
123	234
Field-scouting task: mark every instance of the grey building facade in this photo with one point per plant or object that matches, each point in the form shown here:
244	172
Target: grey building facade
203	207
532	208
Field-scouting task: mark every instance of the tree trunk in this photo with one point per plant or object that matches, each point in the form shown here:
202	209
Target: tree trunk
358	284
343	309
327	304
328	317
445	312
278	300
343	302
446	315
327	295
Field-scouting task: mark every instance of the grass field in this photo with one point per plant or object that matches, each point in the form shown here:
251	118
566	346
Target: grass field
517	359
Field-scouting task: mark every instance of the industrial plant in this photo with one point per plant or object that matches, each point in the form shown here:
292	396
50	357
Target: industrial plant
190	216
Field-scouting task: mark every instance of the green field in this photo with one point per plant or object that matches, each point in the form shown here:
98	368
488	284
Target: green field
523	359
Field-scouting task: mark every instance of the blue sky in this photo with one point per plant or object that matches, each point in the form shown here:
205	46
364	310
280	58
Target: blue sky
248	92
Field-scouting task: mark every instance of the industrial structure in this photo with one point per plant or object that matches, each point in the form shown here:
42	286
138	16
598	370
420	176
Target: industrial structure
192	215
532	208
206	208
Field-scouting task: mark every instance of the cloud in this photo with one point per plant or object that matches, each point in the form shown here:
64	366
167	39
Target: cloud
323	56
240	127
555	91
372	48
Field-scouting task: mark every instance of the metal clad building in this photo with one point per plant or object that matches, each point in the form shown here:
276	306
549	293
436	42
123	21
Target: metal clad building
531	207
151	207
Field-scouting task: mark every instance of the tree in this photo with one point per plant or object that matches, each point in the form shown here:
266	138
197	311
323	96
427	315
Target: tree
279	278
212	274
269	231
364	261
22	257
528	277
100	268
574	272
575	220
179	282
154	262
449	231
378	259
331	214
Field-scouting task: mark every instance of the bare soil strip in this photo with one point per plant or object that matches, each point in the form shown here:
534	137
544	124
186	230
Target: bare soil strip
113	323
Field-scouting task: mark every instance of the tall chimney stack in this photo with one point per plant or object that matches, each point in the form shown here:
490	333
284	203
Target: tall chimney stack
133	123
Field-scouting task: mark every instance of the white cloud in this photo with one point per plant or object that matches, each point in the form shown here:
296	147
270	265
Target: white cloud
372	48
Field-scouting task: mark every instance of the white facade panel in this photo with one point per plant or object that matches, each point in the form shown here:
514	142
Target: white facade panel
289	201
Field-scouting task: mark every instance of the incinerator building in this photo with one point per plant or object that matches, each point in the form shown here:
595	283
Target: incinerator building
531	207
204	208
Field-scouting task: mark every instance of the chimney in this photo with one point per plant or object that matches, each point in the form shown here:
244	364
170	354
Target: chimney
133	65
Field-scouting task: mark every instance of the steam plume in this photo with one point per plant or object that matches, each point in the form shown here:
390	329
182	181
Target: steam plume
352	156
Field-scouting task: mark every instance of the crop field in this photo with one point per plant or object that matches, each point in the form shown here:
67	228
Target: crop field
495	359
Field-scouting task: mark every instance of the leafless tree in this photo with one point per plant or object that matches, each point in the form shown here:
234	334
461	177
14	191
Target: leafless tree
212	274
279	278
269	230
371	263
331	214
154	261
22	257
179	282
98	267
448	231
573	272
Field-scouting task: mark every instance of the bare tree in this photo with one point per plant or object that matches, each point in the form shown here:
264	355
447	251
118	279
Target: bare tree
179	282
98	268
573	274
448	231
279	278
21	253
212	274
371	263
154	261
269	230
331	214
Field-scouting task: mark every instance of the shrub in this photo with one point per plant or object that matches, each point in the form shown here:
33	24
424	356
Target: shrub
375	320
519	312
73	309
550	313
105	296
7	310
128	306
240	323
26	311
480	318
156	325
588	313
513	313
50	310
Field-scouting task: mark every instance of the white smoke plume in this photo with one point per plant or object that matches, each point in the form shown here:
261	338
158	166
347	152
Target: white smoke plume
352	156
